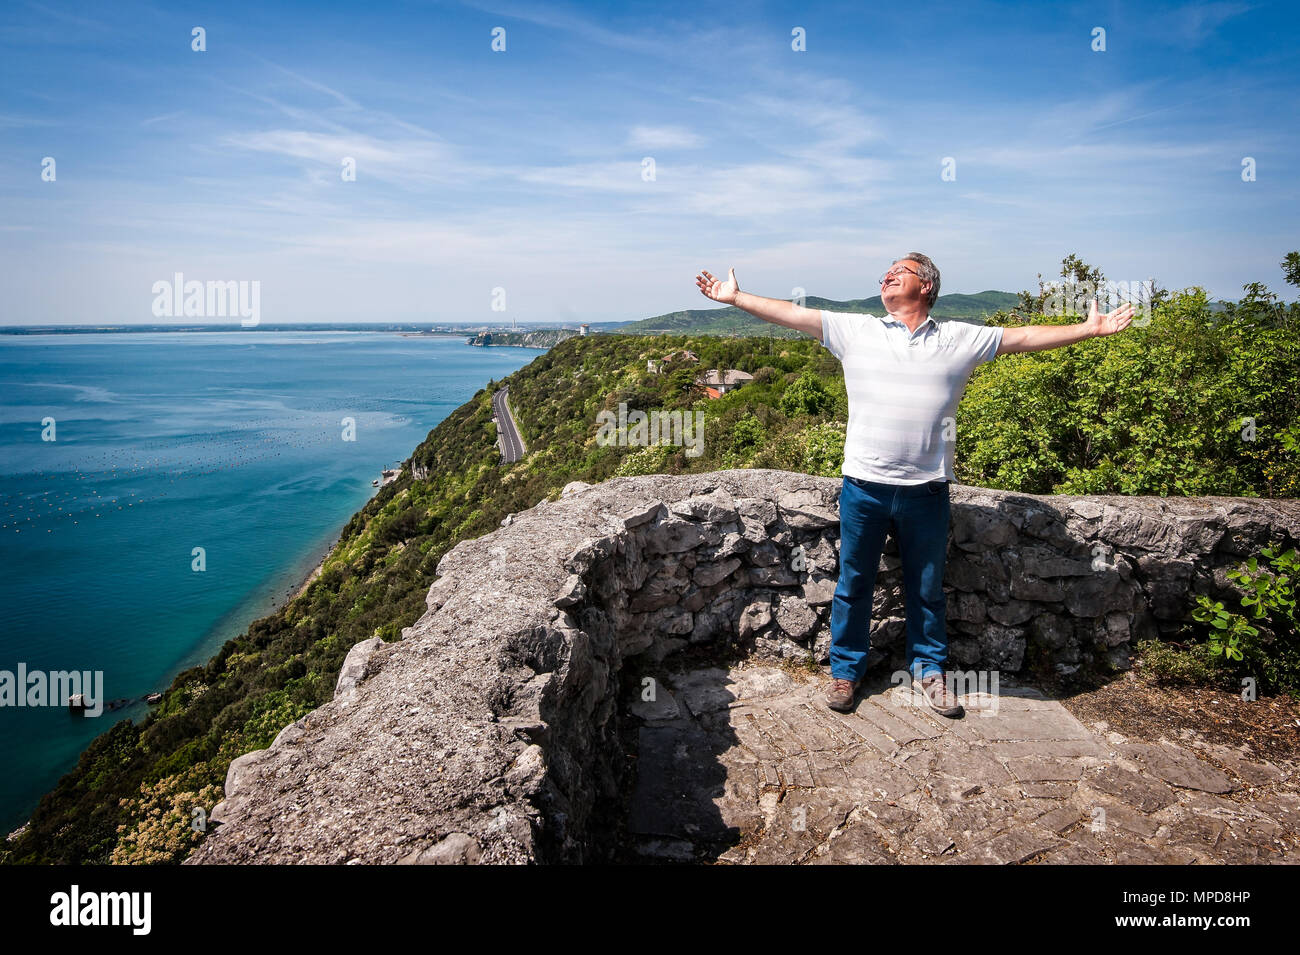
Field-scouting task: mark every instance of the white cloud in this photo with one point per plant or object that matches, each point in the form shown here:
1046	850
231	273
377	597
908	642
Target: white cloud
663	137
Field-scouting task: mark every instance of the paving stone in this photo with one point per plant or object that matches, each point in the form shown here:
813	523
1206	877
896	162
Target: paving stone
890	822
676	850
828	770
795	771
1046	790
918	715
1194	829
896	729
1031	769
882	779
1120	817
808	727
678	776
1032	725
866	731
1067	748
703	691
1011	848
759	683
736	855
975	820
1071	854
854	846
1177	767
776	733
1057	820
821	812
749	733
1209	803
782	847
1255	772
1284	809
969	765
1131	788
662	707
927	840
753	756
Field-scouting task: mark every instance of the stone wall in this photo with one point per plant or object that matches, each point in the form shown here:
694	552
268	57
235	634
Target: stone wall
489	733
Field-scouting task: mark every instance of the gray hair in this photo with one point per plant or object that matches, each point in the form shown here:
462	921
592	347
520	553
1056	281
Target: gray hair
927	272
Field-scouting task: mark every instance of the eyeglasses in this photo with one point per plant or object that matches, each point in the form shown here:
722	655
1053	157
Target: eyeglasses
894	272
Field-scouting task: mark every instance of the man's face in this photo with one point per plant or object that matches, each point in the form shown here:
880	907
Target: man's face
902	286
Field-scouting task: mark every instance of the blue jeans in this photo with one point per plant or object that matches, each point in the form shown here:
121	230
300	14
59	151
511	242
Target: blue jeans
917	514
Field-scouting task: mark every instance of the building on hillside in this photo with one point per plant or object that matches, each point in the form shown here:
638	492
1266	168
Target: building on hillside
657	367
584	328
718	382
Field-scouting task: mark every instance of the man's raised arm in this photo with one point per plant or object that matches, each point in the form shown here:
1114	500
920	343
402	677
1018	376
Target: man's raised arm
1043	337
775	310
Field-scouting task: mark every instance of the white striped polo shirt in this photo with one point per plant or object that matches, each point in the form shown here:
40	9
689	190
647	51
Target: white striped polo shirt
901	386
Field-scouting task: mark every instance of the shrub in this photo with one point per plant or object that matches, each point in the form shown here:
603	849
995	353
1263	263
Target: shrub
1263	639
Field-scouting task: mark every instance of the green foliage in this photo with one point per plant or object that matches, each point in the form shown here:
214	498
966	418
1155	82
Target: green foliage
747	433
1227	630
1270	652
823	449
807	396
1196	664
1193	403
1291	268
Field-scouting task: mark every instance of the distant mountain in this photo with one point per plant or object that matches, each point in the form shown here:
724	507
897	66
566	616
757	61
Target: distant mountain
731	320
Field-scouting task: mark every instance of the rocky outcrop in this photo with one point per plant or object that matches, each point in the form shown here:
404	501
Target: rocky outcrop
489	733
539	338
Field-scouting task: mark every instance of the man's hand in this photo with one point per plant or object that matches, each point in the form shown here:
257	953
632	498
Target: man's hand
1042	337
724	292
1110	323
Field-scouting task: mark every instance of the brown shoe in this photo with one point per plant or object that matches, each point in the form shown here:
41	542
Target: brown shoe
936	693
839	694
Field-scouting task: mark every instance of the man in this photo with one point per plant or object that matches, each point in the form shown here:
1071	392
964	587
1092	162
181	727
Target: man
904	373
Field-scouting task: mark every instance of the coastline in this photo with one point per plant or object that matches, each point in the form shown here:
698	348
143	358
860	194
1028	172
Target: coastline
387	476
310	577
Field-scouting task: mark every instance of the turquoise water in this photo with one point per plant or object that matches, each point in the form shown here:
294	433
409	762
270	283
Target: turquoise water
228	441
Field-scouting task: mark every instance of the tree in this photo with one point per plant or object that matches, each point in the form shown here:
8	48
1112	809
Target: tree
1080	282
806	396
1291	268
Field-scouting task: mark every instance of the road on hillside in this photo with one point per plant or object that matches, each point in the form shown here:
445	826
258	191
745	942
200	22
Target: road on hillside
512	446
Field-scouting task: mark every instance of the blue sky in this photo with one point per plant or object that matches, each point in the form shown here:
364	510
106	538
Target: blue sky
523	169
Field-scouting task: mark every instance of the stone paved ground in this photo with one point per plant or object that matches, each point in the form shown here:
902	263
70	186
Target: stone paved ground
749	766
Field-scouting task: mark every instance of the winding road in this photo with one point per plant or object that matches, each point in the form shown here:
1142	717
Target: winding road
512	445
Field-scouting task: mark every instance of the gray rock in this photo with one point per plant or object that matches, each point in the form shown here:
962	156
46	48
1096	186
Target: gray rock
755	617
489	732
458	848
573	488
355	666
795	617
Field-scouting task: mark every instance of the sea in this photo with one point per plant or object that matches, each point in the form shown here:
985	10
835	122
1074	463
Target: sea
160	491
